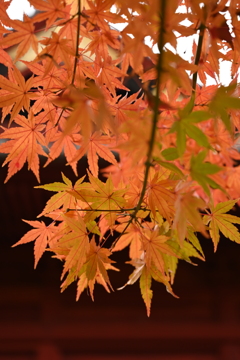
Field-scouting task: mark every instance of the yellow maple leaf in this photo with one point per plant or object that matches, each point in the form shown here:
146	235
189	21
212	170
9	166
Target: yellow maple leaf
218	221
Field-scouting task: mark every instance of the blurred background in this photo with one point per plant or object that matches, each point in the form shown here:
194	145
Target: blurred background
37	322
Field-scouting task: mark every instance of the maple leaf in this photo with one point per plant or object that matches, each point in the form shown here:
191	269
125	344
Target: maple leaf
154	246
24	35
5	58
186	250
26	141
52	81
64	198
218	221
94	146
74	244
41	234
101	40
185	126
3	13
100	14
223	101
131	237
143	273
120	106
200	172
56	48
107	74
161	197
18	94
66	144
187	212
139	264
102	198
96	264
145	286
101	277
44	105
50	10
88	110
189	248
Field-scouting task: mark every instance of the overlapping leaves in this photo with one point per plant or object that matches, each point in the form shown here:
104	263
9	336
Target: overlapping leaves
175	140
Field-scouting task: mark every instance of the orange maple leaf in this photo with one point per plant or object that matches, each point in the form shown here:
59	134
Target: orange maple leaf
54	80
25	144
154	247
99	14
161	197
16	92
75	245
56	48
94	147
187	213
3	13
51	10
41	235
132	238
24	35
107	74
5	58
82	112
95	269
66	144
101	41
120	106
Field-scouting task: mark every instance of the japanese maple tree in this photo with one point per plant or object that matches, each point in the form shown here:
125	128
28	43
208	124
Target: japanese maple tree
171	147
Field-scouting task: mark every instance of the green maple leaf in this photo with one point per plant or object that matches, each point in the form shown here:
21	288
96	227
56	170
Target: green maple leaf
185	127
223	101
201	170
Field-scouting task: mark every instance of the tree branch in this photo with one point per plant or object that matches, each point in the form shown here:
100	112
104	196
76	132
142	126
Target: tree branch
157	101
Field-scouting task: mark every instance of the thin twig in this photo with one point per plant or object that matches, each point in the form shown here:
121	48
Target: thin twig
77	43
197	58
107	210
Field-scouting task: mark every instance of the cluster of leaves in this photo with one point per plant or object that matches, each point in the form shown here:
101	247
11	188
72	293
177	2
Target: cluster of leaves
177	144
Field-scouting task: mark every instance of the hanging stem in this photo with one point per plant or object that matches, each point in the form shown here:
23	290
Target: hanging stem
77	42
197	59
157	102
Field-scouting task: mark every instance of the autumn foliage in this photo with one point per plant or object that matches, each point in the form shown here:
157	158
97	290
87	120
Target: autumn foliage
172	147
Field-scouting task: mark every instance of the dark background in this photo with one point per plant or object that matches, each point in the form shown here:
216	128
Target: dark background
38	322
